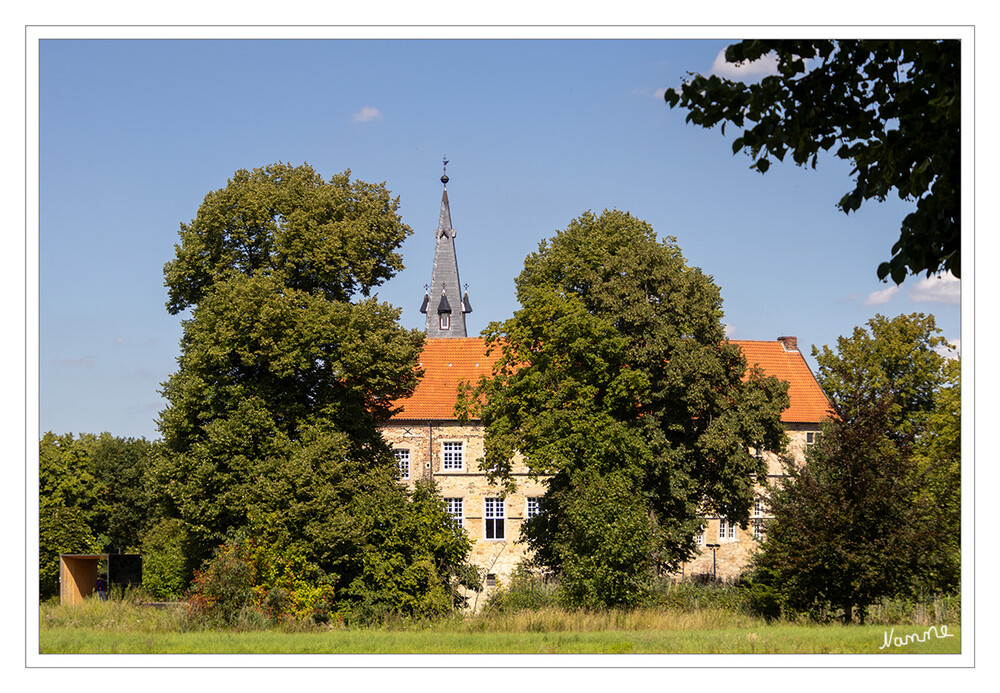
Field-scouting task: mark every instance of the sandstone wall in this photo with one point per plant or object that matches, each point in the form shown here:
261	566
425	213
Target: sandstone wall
425	441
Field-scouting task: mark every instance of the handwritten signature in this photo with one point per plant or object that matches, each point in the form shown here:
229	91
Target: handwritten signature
892	639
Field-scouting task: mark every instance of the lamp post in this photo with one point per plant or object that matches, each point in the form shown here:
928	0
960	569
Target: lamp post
713	547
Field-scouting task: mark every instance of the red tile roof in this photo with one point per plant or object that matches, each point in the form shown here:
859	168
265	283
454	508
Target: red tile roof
447	362
807	402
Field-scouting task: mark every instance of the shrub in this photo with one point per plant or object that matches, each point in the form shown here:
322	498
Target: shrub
525	591
249	585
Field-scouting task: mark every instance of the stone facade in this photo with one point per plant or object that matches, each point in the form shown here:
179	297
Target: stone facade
735	545
447	452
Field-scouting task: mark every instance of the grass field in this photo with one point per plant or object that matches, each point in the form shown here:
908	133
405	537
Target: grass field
764	640
109	628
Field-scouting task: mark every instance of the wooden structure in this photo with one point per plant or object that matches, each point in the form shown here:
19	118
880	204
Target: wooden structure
78	573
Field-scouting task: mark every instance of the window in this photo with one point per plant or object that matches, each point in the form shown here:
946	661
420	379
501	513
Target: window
727	529
699	538
812	437
759	507
758	530
445	321
494	518
491	579
534	507
452	455
403	459
454	508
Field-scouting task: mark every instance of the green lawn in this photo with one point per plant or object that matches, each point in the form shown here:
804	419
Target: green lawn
786	639
120	627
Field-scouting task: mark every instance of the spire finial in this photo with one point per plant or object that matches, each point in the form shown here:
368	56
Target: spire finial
444	178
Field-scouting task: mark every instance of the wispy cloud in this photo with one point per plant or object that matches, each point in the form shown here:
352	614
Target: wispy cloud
744	72
367	115
85	361
730	330
940	288
877	298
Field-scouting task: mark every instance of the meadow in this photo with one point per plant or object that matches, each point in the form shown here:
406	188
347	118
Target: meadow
126	627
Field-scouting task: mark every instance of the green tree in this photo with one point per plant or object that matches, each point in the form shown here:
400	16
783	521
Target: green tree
120	468
287	368
890	107
166	568
866	517
68	505
616	367
93	497
938	462
899	356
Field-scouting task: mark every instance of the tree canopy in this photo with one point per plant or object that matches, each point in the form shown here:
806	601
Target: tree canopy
890	107
874	511
616	371
92	497
287	369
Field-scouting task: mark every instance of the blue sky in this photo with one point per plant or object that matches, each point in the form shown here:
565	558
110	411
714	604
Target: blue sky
134	133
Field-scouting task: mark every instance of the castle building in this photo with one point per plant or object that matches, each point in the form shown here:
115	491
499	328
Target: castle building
431	443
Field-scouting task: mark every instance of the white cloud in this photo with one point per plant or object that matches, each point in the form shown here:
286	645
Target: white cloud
877	298
940	288
367	114
766	65
953	351
730	330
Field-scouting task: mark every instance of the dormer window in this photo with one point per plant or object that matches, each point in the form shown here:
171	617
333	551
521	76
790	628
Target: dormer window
445	320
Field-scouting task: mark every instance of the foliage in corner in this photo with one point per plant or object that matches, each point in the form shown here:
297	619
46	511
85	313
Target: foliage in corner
892	108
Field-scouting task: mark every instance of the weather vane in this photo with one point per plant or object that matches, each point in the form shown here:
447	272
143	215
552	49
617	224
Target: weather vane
444	178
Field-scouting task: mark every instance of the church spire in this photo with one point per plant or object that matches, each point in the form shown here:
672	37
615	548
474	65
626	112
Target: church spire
445	310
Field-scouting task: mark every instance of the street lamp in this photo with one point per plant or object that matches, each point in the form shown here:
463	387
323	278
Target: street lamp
713	547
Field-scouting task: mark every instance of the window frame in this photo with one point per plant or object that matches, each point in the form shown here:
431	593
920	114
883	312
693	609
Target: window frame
400	453
494	517
446	453
727	530
530	512
456	504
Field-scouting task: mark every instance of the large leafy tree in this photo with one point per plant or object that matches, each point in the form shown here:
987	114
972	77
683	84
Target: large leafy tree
874	511
616	373
890	107
288	366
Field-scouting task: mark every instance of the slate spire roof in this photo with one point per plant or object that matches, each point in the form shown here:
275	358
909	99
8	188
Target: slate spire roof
444	321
